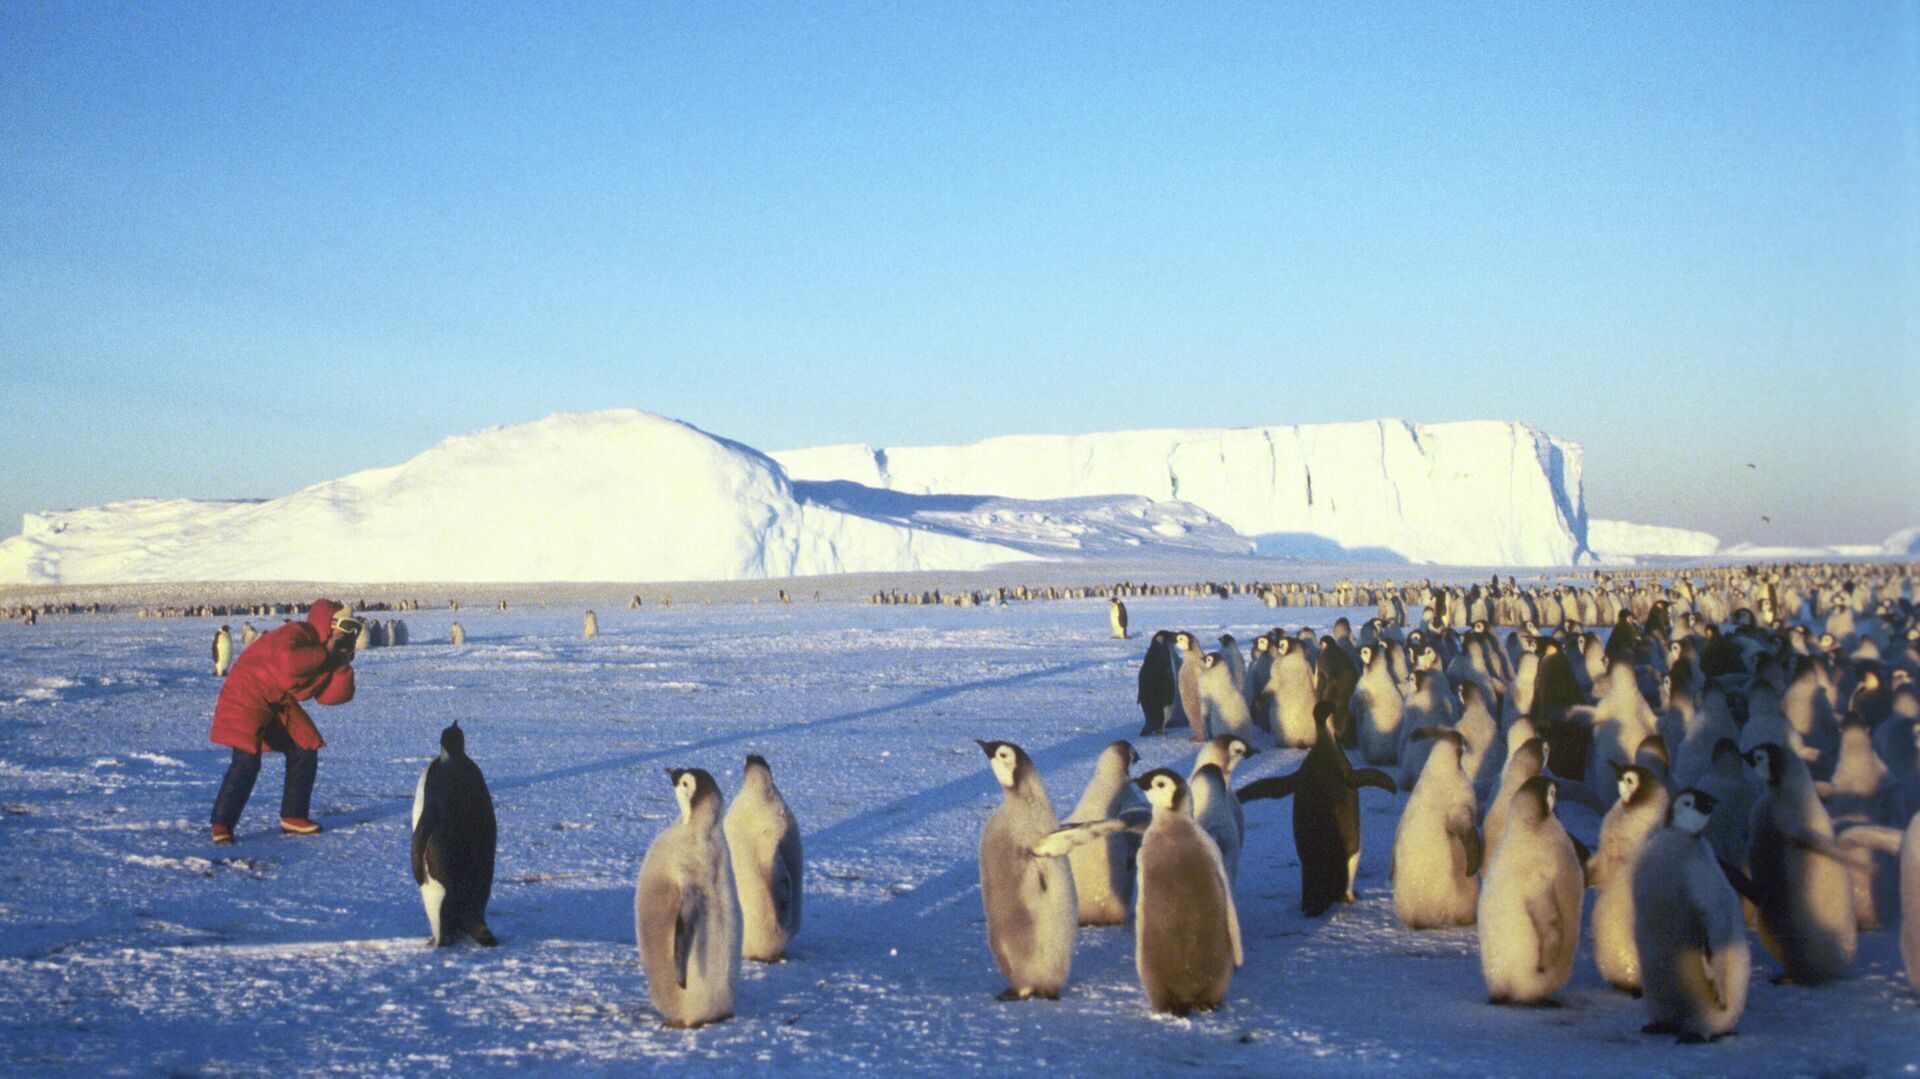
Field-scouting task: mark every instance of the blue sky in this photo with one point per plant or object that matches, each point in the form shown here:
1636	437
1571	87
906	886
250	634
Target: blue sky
251	247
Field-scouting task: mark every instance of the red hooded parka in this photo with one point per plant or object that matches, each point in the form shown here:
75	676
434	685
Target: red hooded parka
283	667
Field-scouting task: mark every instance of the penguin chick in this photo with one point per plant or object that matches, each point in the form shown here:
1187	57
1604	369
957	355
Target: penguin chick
1639	811
1529	914
1436	849
1103	871
686	912
1688	929
763	841
1187	931
1032	910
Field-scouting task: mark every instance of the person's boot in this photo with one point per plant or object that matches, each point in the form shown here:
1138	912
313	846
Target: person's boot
299	826
222	835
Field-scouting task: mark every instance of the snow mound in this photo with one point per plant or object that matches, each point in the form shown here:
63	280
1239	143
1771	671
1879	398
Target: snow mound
613	496
1623	541
1904	542
1475	493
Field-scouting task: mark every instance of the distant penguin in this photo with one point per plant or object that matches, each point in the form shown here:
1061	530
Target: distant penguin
1436	847
1031	907
1801	883
1378	707
1157	690
397	632
248	635
222	652
1688	929
1103	870
454	835
1529	916
456	634
1326	816
1186	931
769	872
686	912
1218	813
1117	618
366	638
1640	810
590	626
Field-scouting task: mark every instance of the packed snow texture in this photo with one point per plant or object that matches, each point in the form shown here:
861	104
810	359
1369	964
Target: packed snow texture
128	943
602	496
1623	541
1478	493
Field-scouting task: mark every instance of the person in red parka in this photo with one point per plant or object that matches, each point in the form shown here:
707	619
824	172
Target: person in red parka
259	709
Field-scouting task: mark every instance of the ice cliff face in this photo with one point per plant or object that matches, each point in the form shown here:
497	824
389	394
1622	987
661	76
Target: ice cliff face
603	496
1623	541
1479	493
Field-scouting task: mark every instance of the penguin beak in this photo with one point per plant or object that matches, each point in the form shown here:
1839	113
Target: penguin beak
985	746
1143	782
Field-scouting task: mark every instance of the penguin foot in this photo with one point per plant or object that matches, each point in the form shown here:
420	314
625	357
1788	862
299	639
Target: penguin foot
484	936
1660	1026
1010	993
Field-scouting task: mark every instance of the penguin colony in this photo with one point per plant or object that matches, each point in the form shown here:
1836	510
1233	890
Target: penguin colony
1748	734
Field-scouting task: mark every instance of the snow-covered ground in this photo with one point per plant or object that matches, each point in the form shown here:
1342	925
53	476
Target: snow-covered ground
129	944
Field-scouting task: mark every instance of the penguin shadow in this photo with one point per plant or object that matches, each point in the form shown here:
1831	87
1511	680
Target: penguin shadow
690	750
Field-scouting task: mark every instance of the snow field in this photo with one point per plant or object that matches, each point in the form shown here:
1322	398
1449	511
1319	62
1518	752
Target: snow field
130	944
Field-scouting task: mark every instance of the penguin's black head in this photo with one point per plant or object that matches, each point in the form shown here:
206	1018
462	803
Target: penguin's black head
1262	644
1533	802
1769	762
755	760
1123	749
1691	810
1636	784
1327	642
695	790
1010	762
1166	790
453	739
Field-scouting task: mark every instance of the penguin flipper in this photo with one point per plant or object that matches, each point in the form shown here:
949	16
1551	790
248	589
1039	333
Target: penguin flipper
1460	826
1873	837
786	881
685	925
1372	777
1816	843
1544	913
1742	883
1076	834
1270	787
1233	913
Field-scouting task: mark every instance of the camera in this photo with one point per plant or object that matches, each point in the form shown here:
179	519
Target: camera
348	626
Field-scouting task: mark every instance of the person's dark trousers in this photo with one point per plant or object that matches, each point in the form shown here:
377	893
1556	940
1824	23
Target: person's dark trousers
302	766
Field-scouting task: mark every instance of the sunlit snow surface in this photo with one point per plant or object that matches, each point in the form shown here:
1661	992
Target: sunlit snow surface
128	943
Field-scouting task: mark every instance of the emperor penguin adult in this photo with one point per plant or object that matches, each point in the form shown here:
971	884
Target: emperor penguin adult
1335	677
454	835
1688	929
1529	914
1800	880
686	912
1157	692
590	625
769	871
1186	929
248	635
1640	810
1117	618
1326	815
456	634
1436	848
1032	910
222	652
1103	870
